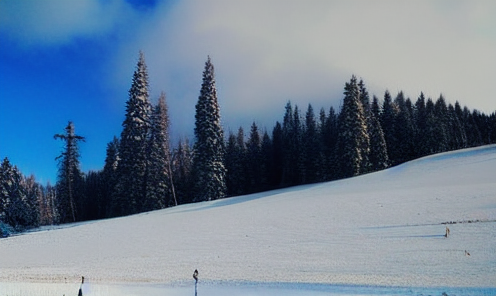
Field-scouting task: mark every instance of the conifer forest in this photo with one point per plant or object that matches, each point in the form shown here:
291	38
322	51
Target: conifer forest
144	170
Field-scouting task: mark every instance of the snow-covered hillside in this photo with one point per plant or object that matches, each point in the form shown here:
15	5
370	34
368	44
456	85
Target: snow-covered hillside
385	228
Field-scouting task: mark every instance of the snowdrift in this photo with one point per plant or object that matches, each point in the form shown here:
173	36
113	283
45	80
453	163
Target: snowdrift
385	228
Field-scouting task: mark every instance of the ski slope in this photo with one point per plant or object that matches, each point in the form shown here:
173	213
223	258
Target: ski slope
384	228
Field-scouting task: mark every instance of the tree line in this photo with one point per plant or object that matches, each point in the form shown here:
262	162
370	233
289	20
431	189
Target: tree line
143	172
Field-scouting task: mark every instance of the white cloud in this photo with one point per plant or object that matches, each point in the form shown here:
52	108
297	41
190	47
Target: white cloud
269	52
56	22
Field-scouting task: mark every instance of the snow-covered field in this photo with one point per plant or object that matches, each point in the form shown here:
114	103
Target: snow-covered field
382	229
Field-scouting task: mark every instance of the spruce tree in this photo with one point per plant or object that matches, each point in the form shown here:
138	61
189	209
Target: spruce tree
13	210
365	166
70	177
329	135
277	156
422	134
404	130
209	169
182	160
353	136
387	120
130	190
311	145
441	127
254	160
160	189
267	162
110	176
378	149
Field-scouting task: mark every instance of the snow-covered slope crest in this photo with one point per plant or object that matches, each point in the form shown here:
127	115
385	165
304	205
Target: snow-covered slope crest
385	228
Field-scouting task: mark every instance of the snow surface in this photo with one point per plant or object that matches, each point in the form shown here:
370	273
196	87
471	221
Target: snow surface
381	229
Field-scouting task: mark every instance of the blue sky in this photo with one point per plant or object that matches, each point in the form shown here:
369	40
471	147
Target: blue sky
73	60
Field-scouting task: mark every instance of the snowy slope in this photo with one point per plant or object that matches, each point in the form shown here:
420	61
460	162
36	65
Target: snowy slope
383	228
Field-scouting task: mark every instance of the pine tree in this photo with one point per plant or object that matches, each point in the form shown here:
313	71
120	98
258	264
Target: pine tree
34	195
266	163
311	152
421	147
292	148
16	208
387	120
70	178
254	159
457	138
159	191
277	156
110	176
431	128
353	136
130	190
209	169
378	149
441	127
329	135
365	166
404	131
182	163
94	186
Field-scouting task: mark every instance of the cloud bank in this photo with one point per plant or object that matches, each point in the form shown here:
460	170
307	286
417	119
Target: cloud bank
269	52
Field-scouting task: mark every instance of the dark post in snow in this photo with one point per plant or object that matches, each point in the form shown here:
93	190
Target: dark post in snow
195	276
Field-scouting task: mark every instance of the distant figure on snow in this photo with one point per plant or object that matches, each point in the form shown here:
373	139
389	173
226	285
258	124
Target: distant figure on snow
447	232
195	275
467	253
81	287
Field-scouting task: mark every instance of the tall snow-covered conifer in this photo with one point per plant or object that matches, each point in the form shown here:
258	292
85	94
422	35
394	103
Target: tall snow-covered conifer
209	169
130	191
70	177
159	191
353	139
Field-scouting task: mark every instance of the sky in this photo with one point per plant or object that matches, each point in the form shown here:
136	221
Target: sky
73	61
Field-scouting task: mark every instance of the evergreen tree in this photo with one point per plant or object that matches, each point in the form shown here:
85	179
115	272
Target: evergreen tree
254	157
404	132
236	163
110	176
292	151
160	189
289	155
94	207
457	138
14	209
329	135
267	163
232	163
387	120
378	149
458	114
130	191
431	131
474	137
365	100
182	163
441	126
421	146
34	195
278	156
47	208
311	145
70	178
209	169
353	135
